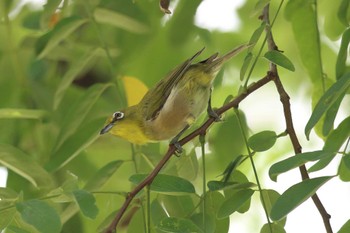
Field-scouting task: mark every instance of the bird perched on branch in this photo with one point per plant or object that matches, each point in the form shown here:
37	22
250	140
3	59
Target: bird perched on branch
172	105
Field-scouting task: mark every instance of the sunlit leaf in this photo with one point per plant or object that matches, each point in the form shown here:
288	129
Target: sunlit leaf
86	203
302	14
327	100
279	59
40	215
14	113
296	161
296	195
119	20
262	141
22	164
166	183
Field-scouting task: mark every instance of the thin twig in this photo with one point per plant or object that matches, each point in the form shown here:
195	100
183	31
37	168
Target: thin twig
171	150
284	97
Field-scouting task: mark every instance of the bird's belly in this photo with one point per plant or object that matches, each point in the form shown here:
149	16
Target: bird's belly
181	109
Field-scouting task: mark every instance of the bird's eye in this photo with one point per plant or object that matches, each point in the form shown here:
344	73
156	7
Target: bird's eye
118	115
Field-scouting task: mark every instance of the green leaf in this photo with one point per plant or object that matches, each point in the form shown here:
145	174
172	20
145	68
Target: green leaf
331	113
213	202
340	67
276	228
343	170
40	215
262	141
345	228
234	202
178	225
259	6
296	161
119	20
208	226
220	185
327	100
102	175
77	68
344	13
346	160
25	166
75	144
333	143
78	111
279	59
8	197
296	195
86	202
187	166
178	205
166	184
6	217
15	113
303	16
257	34
61	31
232	167
248	58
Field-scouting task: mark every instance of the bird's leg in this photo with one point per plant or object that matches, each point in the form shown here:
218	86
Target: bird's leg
175	141
211	111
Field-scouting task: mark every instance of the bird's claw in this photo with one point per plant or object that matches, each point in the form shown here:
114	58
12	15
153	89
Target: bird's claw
178	148
214	115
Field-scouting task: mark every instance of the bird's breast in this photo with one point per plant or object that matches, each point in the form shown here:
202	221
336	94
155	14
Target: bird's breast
184	104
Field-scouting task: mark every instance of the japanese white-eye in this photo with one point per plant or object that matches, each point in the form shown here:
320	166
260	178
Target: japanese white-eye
172	105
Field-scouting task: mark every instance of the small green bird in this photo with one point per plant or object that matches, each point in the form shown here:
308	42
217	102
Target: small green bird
170	107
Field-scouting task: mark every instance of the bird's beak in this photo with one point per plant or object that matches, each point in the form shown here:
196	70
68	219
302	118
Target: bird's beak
107	128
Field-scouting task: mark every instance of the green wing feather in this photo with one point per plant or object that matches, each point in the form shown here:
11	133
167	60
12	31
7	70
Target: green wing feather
156	97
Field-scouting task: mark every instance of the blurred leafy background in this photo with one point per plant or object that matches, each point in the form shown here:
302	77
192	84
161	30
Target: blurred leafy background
67	66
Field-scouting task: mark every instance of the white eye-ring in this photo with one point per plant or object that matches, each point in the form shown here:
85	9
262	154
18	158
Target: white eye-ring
118	115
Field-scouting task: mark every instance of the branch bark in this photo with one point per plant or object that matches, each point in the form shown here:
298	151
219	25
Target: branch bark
171	150
284	97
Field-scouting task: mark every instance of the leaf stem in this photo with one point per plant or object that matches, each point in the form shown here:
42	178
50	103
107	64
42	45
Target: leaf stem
250	155
204	180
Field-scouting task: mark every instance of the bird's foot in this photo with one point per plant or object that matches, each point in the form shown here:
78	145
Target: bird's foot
214	114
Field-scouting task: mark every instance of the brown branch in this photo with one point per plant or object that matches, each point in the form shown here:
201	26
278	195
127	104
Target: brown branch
284	97
201	130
